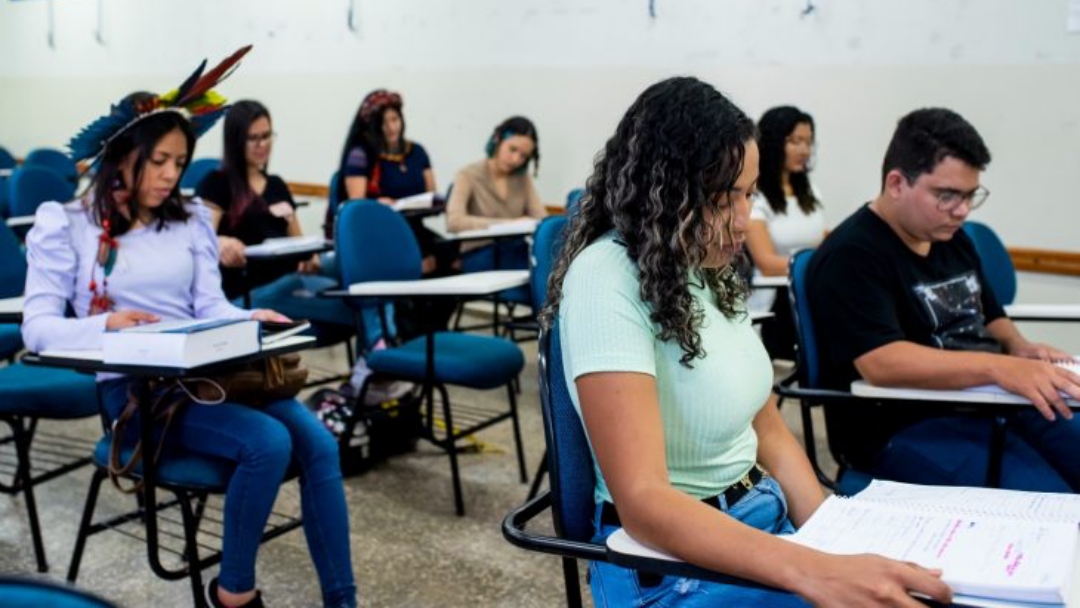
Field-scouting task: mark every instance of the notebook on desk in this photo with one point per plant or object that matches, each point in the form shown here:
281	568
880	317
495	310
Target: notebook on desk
181	344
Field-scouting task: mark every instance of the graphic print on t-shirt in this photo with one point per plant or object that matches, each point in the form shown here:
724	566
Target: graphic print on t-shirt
954	307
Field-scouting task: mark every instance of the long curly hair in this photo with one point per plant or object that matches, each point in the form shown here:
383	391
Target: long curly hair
679	147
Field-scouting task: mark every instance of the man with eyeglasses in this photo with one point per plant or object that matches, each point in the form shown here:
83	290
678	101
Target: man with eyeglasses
898	298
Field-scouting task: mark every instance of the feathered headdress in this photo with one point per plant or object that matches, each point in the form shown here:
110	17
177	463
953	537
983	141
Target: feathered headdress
194	99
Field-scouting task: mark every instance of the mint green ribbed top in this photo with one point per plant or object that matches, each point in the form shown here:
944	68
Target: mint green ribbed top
707	411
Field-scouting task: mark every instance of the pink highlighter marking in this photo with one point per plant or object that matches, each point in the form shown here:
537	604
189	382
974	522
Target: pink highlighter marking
949	538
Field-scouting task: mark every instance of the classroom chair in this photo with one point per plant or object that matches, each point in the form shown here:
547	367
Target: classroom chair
7	165
196	172
26	592
33	185
572	199
374	243
55	160
570	497
12	281
803	384
994	258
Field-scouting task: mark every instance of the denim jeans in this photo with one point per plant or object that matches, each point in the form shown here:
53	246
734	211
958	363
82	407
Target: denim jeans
1039	456
262	443
763	507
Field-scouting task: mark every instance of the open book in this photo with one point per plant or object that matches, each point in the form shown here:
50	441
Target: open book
1009	548
424	200
286	245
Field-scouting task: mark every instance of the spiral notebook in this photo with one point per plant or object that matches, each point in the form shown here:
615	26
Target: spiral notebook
995	547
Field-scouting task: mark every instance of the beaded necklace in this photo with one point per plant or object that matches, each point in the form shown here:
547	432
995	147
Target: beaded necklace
106	259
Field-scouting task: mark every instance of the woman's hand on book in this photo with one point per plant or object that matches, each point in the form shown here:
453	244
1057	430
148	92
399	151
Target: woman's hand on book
129	318
265	314
871	580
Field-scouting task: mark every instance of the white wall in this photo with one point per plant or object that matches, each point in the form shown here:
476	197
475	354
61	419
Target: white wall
1009	66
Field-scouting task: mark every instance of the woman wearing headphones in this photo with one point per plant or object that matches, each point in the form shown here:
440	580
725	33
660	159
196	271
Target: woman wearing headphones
495	190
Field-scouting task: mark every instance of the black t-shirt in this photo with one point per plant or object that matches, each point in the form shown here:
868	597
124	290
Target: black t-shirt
866	289
255	225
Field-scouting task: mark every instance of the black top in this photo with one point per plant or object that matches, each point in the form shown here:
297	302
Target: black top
866	289
258	223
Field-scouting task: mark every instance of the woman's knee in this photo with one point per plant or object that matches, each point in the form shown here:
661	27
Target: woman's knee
269	445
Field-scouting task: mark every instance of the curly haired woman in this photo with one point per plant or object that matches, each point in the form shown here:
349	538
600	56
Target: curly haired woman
671	381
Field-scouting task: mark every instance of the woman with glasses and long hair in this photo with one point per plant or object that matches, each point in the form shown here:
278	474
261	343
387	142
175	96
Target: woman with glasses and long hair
786	216
671	381
249	205
132	251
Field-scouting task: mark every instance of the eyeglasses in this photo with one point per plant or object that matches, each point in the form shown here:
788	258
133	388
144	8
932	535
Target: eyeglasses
261	138
949	199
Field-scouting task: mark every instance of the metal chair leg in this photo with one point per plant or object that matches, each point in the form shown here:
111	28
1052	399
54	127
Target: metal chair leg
573	585
191	548
523	473
451	449
84	525
541	472
23	437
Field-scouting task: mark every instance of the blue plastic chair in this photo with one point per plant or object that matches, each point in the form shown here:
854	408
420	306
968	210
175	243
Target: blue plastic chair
997	265
31	186
56	160
25	592
197	171
570	497
374	243
572	200
7	163
12	281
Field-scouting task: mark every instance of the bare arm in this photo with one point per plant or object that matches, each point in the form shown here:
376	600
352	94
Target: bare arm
762	249
907	364
429	181
784	458
1006	332
631	456
355	187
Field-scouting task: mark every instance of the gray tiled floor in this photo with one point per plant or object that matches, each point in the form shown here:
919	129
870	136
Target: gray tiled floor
409	549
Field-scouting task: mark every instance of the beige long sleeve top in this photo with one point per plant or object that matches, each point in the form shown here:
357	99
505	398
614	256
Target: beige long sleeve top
474	204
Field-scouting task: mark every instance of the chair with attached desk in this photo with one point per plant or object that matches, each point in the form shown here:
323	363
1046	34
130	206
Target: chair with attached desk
570	497
7	166
56	160
374	243
803	384
29	395
190	477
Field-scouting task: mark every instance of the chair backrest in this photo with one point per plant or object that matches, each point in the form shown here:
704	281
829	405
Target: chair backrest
27	592
570	462
374	243
572	199
806	352
7	160
547	241
996	264
196	171
12	264
55	160
31	186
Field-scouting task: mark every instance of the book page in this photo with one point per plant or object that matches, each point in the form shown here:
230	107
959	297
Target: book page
1036	506
979	556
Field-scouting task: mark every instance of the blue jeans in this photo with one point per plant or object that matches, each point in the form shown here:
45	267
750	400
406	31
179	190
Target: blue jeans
262	443
1039	456
763	507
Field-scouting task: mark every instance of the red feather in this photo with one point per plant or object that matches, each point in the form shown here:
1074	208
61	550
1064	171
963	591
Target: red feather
211	78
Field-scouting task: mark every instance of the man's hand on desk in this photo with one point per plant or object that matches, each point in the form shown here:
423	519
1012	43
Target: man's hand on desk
1039	381
1032	350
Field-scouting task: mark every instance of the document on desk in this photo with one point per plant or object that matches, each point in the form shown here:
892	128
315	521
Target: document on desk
416	201
998	545
285	245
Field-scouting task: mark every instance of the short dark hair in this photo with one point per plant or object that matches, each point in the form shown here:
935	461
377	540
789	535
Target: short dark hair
926	137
